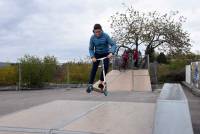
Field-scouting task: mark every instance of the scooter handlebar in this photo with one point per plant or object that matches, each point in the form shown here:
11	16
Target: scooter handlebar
102	58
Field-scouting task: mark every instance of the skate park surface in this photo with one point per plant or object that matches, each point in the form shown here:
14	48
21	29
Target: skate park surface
84	117
72	111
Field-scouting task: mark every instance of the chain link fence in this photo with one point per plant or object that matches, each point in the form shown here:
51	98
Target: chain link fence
29	76
52	76
36	75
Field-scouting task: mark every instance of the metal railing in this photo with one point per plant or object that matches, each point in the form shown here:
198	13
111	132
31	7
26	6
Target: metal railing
119	63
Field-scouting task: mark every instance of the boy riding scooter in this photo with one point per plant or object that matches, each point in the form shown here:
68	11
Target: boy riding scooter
101	45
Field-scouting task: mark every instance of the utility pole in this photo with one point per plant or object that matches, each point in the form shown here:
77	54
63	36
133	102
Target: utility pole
67	73
19	82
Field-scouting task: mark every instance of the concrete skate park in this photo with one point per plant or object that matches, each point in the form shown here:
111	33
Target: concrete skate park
131	107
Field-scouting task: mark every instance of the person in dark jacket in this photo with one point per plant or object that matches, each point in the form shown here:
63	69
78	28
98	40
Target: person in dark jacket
101	45
135	57
125	57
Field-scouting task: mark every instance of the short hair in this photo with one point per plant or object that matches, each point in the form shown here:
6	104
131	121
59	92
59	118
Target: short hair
97	26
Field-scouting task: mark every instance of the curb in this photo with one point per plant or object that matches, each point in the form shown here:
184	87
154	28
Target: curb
194	90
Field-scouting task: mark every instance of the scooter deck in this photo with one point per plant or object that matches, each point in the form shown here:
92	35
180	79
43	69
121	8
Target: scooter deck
96	89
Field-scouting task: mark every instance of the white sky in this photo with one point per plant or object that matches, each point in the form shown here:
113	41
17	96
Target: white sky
63	27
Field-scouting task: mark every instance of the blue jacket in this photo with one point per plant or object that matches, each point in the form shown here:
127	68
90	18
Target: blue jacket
101	45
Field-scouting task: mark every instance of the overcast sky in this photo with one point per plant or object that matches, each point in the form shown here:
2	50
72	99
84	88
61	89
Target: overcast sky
63	27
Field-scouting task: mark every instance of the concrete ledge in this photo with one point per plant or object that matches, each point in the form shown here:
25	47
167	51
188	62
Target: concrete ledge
172	114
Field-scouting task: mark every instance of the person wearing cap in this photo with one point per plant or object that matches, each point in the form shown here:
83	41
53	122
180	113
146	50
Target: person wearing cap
101	45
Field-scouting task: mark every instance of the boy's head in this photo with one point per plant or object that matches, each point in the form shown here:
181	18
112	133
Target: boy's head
97	30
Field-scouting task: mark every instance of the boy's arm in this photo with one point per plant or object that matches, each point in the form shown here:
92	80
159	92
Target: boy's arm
91	48
112	44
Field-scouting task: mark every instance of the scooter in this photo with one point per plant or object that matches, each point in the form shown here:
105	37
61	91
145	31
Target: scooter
104	87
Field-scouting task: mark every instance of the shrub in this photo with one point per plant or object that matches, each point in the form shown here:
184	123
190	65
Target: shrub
35	71
161	58
8	75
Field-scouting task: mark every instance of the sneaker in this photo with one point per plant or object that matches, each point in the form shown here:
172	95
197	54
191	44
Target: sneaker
89	88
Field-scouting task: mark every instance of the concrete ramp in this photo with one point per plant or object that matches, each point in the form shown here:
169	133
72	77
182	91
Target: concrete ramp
128	80
172	114
120	80
81	117
141	80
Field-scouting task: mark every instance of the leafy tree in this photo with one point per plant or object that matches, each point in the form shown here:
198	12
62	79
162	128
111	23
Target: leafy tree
50	67
36	71
133	28
31	71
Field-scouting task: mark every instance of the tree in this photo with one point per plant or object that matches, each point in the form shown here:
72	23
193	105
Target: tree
128	28
36	71
31	71
49	67
153	30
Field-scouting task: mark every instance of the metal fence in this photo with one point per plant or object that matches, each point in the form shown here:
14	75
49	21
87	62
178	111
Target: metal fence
19	76
120	63
59	75
38	75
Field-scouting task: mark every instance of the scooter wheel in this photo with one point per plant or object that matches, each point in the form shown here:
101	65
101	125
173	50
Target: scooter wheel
105	93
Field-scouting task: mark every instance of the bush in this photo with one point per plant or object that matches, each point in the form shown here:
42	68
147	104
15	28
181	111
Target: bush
172	72
35	71
8	75
50	67
161	58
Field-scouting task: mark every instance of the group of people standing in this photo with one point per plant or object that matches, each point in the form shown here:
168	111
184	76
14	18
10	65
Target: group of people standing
130	54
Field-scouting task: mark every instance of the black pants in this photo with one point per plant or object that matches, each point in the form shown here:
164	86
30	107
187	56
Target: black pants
95	67
136	63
